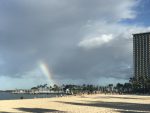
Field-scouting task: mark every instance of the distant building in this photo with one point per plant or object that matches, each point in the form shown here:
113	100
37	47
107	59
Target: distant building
141	55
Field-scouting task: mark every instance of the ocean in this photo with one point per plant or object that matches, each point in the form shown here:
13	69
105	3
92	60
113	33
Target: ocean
11	96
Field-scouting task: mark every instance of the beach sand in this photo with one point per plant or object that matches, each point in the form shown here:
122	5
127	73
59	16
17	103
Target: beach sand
98	103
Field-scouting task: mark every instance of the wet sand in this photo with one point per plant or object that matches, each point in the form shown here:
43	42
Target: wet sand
80	104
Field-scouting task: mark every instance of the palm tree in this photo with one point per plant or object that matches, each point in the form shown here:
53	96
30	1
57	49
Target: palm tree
148	85
119	87
134	84
110	86
45	85
50	88
142	83
56	88
127	87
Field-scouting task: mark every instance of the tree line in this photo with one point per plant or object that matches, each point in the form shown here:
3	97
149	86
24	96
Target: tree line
134	86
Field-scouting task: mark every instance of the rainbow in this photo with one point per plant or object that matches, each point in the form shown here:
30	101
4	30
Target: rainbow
46	72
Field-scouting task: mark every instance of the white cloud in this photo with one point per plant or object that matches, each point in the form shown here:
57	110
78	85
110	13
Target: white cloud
95	42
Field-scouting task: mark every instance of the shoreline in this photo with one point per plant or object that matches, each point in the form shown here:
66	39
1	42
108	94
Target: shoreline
12	96
60	96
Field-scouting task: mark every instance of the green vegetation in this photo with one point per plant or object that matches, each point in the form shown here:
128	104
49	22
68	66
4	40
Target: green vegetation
141	86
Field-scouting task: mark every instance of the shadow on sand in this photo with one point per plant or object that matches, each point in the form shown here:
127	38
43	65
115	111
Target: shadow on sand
109	97
4	112
121	111
119	106
38	110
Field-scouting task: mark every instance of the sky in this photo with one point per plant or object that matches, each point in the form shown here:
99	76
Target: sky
68	41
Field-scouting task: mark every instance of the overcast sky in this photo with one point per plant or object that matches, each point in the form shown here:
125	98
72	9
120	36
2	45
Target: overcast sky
68	41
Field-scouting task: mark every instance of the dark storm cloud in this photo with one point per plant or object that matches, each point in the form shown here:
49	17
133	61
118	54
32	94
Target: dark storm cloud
51	30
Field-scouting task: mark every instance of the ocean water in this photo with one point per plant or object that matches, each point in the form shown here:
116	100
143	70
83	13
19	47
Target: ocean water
10	96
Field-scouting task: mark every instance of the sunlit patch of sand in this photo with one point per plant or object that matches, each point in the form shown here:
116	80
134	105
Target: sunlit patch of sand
80	104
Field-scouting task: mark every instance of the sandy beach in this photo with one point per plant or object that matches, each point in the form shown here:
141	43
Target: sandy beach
99	103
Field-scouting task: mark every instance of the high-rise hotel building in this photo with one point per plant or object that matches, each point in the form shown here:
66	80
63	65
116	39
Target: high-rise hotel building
141	55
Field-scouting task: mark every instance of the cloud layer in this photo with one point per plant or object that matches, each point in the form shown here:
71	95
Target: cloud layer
95	42
79	40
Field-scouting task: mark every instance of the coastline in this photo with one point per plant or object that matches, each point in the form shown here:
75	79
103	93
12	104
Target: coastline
80	104
12	96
